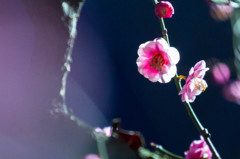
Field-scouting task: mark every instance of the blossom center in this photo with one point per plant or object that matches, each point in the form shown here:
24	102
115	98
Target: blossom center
164	12
200	84
157	62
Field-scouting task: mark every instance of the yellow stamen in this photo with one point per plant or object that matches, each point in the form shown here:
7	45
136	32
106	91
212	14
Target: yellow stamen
204	88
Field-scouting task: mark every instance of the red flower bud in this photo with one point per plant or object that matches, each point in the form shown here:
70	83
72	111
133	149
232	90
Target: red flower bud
164	9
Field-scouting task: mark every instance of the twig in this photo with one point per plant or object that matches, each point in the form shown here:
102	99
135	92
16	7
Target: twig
72	11
164	151
203	131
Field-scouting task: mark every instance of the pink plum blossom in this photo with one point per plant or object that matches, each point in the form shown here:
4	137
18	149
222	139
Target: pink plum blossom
198	150
164	9
157	61
221	73
92	156
195	84
107	131
232	92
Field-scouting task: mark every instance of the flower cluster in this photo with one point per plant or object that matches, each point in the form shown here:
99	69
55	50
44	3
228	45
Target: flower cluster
157	62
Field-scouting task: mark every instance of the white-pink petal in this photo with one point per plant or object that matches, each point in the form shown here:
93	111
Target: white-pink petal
191	98
164	78
184	97
162	42
152	75
142	47
183	90
191	85
173	55
191	71
172	71
200	65
200	73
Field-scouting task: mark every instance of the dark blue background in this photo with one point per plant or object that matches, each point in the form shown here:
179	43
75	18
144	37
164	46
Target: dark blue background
104	66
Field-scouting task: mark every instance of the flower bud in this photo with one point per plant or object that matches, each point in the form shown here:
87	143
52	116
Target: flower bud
164	9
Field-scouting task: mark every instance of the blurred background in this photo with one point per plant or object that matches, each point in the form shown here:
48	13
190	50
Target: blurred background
104	82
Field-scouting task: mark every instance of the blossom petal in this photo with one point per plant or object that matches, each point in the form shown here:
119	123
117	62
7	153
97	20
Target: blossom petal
173	55
154	78
153	75
191	86
200	65
200	73
183	90
191	71
142	62
147	49
184	97
162	42
172	71
164	78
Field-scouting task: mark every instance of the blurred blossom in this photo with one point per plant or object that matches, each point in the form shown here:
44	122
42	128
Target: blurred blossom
195	84
198	150
92	156
232	92
220	12
221	73
157	61
107	131
164	9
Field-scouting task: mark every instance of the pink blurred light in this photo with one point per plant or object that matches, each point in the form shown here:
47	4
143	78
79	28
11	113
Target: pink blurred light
221	73
92	156
232	92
